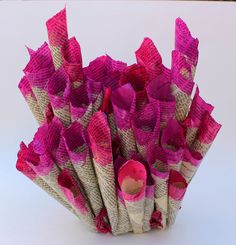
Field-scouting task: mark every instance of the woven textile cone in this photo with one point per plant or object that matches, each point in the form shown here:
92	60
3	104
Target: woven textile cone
123	102
206	134
39	69
173	144
58	88
148	56
31	100
159	91
160	173
82	163
195	115
23	167
45	143
148	207
176	190
71	189
57	36
184	62
100	139
72	61
132	180
190	164
146	126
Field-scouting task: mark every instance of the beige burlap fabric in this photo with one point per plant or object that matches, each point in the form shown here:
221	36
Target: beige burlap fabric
183	102
42	98
161	197
63	114
200	147
173	209
128	143
136	214
106	181
86	174
35	109
148	210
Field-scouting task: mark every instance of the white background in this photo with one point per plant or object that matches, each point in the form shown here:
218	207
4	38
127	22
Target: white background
30	216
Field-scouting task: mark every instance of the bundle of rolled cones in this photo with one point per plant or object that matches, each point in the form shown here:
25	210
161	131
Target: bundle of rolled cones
117	144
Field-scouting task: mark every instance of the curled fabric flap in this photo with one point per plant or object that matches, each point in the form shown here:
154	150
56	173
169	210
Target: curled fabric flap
80	156
123	103
31	100
184	62
24	167
72	61
195	116
132	178
38	71
173	143
100	139
207	132
79	103
58	88
190	164
160	173
106	71
159	89
146	126
57	36
148	56
74	195
185	43
176	191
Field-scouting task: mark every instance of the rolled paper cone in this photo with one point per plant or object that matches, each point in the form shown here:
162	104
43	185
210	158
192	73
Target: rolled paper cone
100	139
80	157
72	61
148	56
124	224
38	71
195	115
45	168
149	192
148	207
58	88
182	87
190	164
57	36
132	181
123	103
186	44
176	190
184	62
159	90
207	132
71	190
107	108
31	100
146	126
160	174
23	167
173	144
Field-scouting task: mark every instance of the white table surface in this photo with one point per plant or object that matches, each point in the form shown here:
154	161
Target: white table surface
27	214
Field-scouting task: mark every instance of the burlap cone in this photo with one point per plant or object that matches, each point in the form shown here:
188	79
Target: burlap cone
132	180
123	102
82	163
31	100
99	135
176	190
57	36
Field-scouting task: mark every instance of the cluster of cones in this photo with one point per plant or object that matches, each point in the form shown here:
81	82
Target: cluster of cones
117	145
